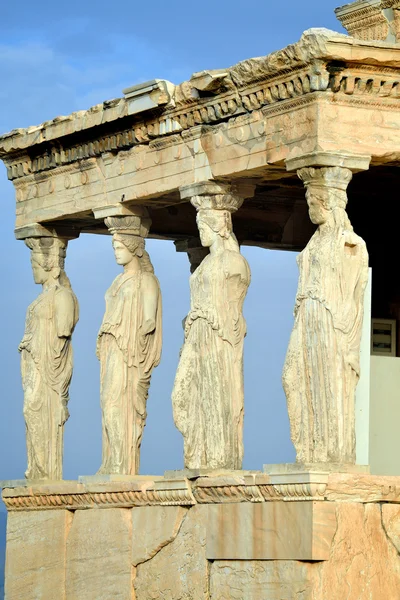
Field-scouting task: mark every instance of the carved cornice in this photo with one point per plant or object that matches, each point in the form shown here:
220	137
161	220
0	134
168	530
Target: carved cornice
367	23
287	92
305	487
371	19
125	499
225	494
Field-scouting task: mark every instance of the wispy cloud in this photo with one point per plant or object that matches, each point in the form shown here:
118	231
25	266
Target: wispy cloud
44	81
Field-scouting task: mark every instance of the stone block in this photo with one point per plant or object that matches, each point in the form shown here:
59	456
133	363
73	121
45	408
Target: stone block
391	523
99	555
329	159
260	580
364	564
270	531
180	569
319	468
35	554
363	488
154	527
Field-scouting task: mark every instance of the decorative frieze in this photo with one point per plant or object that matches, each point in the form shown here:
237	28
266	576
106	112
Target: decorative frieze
364	20
102	495
218	489
371	19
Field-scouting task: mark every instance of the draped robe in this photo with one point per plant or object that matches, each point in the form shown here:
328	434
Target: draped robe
46	368
208	395
322	365
127	357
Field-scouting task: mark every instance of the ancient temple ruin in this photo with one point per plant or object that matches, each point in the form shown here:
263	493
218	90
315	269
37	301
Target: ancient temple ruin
298	150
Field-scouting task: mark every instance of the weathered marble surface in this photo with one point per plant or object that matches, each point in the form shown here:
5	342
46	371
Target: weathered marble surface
163	552
391	523
179	570
153	528
260	580
363	560
363	565
208	394
98	562
46	358
36	554
271	531
322	365
371	19
128	346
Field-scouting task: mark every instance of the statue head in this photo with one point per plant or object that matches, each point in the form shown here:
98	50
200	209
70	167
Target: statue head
126	247
129	234
213	224
47	258
326	192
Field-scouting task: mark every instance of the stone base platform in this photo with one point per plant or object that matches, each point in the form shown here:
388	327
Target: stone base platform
228	536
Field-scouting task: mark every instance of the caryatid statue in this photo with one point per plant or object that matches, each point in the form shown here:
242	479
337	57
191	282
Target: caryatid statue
46	358
208	394
322	365
128	346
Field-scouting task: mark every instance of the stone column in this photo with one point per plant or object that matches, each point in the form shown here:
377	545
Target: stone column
129	341
322	365
46	352
208	395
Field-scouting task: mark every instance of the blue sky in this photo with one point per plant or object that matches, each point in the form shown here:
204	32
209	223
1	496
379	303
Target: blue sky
56	58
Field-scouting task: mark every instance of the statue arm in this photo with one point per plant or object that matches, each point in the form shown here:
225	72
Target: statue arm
354	273
356	251
237	273
65	312
150	295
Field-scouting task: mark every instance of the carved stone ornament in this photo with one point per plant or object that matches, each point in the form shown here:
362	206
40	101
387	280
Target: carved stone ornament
371	19
128	346
257	488
322	365
208	395
46	358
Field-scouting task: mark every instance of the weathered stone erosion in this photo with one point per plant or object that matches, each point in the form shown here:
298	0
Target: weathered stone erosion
223	537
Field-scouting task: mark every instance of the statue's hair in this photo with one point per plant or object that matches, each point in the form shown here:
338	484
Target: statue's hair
220	221
50	253
136	246
330	198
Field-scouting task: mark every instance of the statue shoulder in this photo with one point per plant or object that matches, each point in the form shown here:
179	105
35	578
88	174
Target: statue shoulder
64	295
150	281
235	264
354	240
352	237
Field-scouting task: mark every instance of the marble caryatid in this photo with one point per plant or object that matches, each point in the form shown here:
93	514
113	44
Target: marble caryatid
322	365
46	358
128	346
208	395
